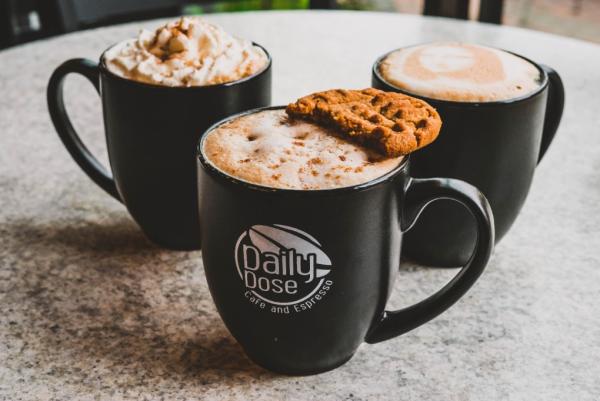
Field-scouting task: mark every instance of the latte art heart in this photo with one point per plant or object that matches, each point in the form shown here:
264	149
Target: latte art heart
460	72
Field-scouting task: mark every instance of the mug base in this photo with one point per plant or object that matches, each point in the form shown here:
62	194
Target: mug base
289	370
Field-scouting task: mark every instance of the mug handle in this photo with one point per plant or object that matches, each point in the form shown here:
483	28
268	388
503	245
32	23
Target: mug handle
56	106
554	109
419	193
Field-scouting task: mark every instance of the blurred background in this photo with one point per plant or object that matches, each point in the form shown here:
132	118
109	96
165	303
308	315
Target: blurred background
22	21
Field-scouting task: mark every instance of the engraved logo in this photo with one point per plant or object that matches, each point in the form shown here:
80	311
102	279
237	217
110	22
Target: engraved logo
282	267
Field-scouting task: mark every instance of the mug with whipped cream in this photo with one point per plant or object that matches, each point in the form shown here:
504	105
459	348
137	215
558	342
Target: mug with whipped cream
159	92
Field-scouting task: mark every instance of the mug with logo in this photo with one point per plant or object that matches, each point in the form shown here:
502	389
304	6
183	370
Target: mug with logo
152	130
493	134
301	277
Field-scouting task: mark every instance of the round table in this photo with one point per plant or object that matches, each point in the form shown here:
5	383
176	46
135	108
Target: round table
90	309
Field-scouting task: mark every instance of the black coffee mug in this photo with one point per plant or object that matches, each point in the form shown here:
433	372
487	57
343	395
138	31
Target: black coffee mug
301	277
151	133
494	146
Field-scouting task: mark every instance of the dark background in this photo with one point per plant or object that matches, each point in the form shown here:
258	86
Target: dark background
26	20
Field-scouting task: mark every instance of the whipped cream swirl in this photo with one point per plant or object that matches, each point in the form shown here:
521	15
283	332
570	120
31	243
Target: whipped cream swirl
186	52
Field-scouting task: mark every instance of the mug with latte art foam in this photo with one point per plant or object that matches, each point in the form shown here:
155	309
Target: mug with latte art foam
500	112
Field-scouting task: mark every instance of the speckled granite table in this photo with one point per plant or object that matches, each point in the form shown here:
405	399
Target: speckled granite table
89	309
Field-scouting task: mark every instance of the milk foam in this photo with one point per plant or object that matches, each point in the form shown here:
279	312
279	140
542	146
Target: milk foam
186	52
460	72
269	149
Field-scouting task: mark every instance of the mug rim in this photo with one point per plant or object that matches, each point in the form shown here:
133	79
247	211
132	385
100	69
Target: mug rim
215	172
542	86
105	70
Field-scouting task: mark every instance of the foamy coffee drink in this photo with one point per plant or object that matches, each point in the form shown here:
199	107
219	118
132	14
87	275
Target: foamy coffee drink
460	72
187	52
268	148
